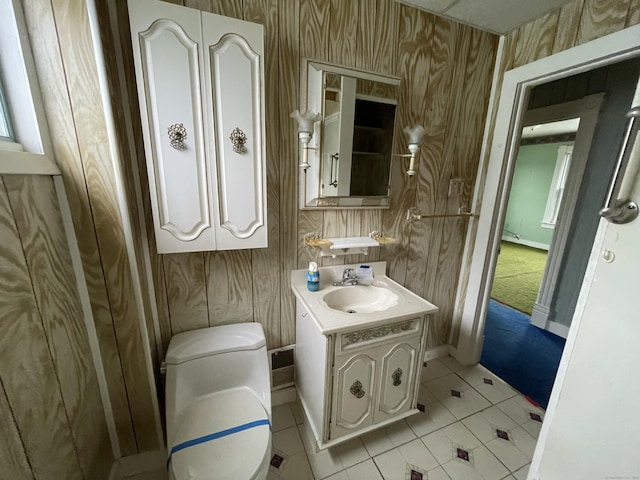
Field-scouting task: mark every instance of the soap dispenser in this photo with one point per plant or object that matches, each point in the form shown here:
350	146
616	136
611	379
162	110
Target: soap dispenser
313	277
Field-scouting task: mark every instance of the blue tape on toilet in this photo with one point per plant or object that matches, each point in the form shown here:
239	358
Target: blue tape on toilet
213	436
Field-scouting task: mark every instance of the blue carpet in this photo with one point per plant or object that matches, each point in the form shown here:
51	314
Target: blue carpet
524	356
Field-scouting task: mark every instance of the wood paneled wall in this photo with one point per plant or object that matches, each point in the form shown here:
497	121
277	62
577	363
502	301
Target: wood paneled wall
571	25
62	47
52	423
446	74
445	70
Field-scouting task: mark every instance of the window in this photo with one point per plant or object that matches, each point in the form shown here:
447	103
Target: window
6	130
24	145
563	163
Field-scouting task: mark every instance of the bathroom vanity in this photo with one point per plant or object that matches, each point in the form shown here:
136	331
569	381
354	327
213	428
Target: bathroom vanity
359	350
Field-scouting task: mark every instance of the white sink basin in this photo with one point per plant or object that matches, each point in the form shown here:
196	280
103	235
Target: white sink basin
360	299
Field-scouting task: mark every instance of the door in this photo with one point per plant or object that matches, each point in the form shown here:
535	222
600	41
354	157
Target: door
354	385
168	60
397	373
591	429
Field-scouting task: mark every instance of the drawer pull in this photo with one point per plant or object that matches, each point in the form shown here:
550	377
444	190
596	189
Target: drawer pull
397	377
357	390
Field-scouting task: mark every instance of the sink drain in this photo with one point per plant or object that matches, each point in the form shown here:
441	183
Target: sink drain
351	311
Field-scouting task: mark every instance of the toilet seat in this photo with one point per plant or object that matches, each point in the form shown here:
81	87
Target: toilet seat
226	435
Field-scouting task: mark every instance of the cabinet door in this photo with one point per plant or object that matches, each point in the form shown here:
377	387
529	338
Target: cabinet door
353	393
234	83
397	376
168	62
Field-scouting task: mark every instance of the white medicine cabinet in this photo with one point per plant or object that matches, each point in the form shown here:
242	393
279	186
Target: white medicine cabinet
200	80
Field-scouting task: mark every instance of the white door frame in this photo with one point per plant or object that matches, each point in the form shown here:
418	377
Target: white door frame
613	48
587	110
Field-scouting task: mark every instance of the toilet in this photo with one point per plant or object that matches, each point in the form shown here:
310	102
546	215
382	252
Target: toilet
218	404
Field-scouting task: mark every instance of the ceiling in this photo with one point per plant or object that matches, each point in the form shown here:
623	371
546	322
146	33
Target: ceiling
496	16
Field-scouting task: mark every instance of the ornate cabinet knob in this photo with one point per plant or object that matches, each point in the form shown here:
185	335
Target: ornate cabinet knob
397	377
357	390
177	136
238	138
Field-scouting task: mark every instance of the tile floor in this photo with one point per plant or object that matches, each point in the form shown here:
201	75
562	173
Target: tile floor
474	427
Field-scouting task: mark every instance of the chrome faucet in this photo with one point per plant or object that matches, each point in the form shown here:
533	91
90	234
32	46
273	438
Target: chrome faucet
349	277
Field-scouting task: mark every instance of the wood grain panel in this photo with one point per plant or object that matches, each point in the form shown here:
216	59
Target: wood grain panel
265	268
26	370
37	215
75	42
371	220
124	143
46	51
417	57
229	287
288	101
315	31
13	457
600	18
478	78
471	76
568	22
403	187
186	291
442	286
378	35
633	17
437	101
344	32
536	39
335	225
309	221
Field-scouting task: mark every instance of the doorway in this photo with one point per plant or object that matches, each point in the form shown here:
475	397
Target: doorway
516	91
601	117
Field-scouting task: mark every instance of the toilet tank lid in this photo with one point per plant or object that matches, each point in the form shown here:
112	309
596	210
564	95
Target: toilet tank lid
204	342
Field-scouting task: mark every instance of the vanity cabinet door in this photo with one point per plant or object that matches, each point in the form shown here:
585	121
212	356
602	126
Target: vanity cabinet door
353	393
398	367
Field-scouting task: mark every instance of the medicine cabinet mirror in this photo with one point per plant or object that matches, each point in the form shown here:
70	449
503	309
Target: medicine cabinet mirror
350	155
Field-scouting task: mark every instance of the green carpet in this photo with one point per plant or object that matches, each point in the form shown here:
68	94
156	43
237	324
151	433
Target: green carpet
518	276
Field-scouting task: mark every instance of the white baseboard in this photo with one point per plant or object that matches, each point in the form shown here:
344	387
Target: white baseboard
528	243
437	352
283	395
540	319
558	328
539	316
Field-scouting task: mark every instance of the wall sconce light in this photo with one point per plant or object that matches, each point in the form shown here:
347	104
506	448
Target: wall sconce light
305	120
415	135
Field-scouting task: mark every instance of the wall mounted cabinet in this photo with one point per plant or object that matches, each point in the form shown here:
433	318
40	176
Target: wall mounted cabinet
200	80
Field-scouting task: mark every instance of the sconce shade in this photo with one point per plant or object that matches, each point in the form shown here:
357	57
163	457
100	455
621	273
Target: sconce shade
415	134
306	120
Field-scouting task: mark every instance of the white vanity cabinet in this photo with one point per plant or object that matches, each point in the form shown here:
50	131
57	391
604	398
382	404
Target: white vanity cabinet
357	379
374	375
200	80
359	351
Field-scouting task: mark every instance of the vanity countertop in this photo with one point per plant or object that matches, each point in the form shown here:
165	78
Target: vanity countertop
330	321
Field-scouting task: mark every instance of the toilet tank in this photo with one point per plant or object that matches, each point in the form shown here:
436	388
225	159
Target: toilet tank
209	360
206	342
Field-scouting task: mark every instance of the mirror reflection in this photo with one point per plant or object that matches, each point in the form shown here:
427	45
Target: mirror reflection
357	139
354	138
